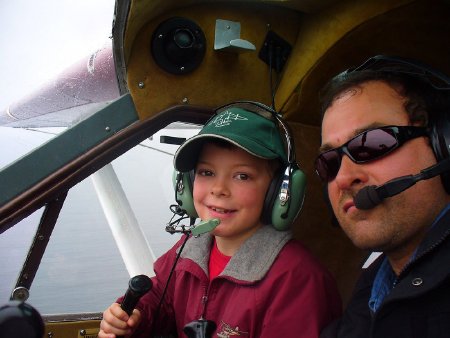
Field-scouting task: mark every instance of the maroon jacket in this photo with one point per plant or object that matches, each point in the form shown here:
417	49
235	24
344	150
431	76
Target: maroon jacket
272	287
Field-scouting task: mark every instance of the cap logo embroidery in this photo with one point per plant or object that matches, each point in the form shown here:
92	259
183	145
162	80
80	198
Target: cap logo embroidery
226	118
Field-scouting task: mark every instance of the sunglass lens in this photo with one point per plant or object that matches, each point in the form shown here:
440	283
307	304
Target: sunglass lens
327	165
372	144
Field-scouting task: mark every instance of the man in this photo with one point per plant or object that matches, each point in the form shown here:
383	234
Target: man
387	119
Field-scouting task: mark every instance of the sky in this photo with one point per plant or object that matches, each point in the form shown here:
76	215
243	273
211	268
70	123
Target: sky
39	39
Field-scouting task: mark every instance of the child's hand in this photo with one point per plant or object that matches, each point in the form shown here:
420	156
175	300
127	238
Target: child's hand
116	322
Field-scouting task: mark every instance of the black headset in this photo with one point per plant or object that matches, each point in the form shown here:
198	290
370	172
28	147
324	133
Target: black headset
440	141
438	122
286	192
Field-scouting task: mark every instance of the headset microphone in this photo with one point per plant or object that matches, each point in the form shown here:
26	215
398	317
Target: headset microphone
199	229
205	226
369	197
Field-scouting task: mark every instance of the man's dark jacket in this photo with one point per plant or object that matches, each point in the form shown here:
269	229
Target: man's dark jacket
417	307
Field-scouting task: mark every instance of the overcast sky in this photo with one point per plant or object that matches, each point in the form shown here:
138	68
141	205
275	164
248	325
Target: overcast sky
39	39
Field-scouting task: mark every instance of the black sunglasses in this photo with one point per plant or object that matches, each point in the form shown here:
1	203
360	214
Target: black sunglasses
365	147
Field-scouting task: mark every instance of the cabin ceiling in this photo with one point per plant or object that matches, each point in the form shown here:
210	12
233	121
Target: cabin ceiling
144	10
222	76
418	30
326	38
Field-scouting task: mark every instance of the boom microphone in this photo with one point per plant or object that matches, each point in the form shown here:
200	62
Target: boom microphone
205	226
201	228
370	196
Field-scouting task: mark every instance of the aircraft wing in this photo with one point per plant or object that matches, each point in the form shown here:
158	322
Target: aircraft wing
76	93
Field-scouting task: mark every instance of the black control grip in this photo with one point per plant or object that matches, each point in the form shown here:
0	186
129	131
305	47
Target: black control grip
137	287
19	319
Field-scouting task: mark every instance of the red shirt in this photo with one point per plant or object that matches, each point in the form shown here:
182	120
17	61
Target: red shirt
217	261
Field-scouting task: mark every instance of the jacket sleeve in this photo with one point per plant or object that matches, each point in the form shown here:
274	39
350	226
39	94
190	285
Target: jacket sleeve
305	299
148	304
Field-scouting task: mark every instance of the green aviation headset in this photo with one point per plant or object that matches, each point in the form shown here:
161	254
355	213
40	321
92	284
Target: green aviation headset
285	195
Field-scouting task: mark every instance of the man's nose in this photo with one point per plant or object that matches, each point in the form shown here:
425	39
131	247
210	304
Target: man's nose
349	173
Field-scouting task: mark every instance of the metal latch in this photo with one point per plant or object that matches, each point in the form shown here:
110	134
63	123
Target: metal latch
228	37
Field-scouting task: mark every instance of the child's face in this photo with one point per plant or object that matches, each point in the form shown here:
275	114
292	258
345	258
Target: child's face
230	184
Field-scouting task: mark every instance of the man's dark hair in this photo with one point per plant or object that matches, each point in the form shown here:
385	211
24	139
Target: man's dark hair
422	100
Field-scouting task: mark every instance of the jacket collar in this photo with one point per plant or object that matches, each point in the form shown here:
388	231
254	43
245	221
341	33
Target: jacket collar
439	231
435	245
253	259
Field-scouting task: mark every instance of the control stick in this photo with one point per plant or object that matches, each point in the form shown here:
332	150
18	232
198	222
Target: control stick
137	287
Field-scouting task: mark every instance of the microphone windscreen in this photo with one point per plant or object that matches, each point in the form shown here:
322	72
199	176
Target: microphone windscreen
367	198
205	226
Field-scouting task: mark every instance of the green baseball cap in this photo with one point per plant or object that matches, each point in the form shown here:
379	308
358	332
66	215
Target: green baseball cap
245	125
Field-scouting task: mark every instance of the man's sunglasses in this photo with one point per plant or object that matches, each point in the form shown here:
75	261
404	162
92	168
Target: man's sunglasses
365	147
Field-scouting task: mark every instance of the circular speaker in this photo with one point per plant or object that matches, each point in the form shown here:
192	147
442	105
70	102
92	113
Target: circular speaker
178	45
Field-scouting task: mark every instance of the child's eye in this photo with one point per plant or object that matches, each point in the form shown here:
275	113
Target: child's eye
242	177
204	172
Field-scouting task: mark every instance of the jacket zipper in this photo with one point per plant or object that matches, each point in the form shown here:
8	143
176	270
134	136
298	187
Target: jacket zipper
405	269
204	300
425	253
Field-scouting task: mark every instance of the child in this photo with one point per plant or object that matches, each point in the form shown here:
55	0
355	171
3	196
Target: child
245	276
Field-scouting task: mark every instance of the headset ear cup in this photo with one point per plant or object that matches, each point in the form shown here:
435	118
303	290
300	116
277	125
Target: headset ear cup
282	216
440	142
271	196
183	185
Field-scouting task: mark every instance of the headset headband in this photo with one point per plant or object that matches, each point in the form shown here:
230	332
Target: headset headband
393	64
